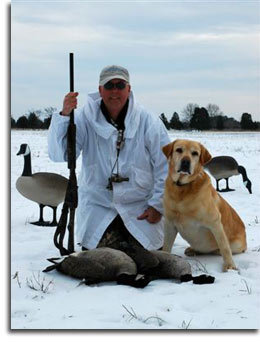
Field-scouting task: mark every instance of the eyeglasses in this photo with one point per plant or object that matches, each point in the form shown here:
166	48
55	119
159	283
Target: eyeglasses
118	85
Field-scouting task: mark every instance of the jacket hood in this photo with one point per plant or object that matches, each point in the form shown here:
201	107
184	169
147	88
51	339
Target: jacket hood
99	123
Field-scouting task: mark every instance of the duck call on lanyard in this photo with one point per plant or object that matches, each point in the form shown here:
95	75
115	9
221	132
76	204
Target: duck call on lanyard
71	199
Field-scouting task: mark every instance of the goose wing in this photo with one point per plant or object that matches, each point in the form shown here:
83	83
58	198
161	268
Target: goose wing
43	188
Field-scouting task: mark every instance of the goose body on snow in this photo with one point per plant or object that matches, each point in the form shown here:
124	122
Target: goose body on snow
134	266
44	188
224	167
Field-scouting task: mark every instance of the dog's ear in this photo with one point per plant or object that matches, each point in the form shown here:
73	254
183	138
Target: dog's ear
167	149
205	156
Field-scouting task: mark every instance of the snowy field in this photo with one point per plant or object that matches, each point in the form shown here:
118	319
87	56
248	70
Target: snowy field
57	302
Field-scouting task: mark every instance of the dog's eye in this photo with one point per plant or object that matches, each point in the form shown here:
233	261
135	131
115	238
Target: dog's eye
179	150
195	153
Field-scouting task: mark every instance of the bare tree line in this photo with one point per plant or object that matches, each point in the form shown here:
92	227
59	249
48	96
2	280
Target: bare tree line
208	118
194	117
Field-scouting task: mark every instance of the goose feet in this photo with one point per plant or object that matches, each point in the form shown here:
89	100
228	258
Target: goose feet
43	223
226	190
138	281
223	190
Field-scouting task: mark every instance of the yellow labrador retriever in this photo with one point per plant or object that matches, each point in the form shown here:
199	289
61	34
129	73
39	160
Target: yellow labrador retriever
193	207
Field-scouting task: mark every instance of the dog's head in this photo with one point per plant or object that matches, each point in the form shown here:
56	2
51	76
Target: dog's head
185	158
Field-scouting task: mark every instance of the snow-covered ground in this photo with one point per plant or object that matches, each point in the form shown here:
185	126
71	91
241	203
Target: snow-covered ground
57	302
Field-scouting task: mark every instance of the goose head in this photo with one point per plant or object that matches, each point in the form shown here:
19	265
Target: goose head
248	185
24	150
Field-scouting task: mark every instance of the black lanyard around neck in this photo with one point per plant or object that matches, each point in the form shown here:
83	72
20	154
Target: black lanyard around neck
119	123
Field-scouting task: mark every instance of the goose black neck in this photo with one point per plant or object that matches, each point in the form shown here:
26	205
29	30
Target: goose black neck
242	171
27	169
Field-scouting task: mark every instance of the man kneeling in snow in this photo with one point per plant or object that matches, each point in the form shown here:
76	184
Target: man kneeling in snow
123	168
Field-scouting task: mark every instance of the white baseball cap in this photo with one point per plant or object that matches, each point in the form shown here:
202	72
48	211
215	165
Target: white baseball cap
113	71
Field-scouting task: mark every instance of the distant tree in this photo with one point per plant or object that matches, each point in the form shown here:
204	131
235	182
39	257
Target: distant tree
46	123
257	125
220	122
213	110
200	119
22	122
13	122
185	125
175	122
231	123
216	122
189	110
247	122
195	119
165	121
48	112
34	121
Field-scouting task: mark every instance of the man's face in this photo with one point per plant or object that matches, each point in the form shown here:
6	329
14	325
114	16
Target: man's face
115	98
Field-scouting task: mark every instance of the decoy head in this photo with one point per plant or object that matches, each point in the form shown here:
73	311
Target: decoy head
248	185
24	150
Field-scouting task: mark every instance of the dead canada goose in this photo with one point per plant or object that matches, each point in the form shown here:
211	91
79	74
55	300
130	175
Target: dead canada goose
225	167
99	265
44	188
108	264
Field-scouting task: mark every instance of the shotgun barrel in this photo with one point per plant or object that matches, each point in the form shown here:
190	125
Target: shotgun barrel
71	198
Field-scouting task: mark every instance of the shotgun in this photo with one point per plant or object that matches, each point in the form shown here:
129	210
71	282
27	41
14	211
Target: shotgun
71	198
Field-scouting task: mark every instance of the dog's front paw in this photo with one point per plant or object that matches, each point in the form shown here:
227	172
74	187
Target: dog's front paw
229	266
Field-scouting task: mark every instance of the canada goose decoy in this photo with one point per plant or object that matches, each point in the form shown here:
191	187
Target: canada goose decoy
44	188
223	167
109	264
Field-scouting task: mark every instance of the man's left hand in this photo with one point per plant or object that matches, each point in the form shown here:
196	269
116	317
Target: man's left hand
151	215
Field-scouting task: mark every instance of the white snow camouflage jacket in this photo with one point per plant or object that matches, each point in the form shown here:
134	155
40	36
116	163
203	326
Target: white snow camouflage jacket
141	159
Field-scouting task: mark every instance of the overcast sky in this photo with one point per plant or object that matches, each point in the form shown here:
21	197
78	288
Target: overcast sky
177	52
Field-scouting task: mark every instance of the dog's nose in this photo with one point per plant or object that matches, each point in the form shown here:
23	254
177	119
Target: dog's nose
185	165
